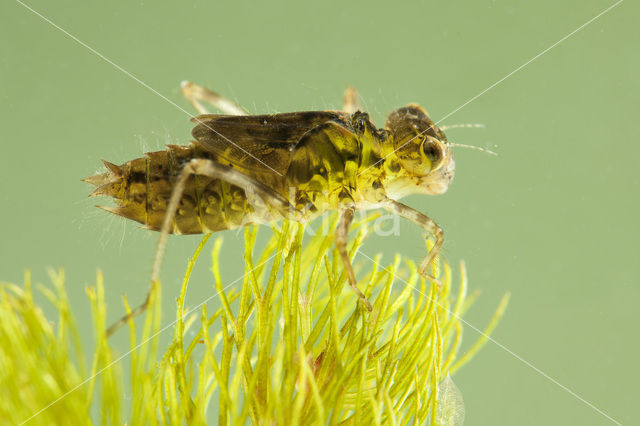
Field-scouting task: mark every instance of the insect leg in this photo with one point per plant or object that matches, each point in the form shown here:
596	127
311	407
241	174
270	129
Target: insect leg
341	244
351	102
425	223
195	93
213	169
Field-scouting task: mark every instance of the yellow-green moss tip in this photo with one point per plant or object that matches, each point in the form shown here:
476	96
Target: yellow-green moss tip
290	345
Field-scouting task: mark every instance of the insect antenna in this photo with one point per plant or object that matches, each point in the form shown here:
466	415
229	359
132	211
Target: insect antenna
465	126
468	126
488	151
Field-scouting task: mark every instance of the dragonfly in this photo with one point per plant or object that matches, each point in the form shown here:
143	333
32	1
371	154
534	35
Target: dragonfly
243	169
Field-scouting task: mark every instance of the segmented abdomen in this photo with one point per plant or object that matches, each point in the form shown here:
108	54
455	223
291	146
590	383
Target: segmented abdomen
142	188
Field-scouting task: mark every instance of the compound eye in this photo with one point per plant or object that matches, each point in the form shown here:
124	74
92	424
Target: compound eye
431	149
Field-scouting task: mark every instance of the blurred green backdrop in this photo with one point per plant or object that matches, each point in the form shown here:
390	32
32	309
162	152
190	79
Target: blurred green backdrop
553	219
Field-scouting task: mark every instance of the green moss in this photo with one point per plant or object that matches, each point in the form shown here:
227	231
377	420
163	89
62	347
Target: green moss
289	345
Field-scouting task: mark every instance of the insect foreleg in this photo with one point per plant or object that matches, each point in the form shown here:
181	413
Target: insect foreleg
195	93
341	244
425	223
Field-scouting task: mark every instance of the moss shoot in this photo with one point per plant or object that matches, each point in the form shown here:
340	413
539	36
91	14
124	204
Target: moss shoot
289	344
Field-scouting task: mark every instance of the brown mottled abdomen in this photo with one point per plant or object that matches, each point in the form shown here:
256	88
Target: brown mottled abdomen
142	188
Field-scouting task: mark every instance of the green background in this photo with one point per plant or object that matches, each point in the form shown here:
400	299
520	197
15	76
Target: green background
553	219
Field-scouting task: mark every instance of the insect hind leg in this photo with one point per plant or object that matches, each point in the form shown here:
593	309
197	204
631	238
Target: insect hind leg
215	170
196	93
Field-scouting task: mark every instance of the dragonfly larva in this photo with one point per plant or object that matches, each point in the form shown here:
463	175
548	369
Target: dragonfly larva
243	169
